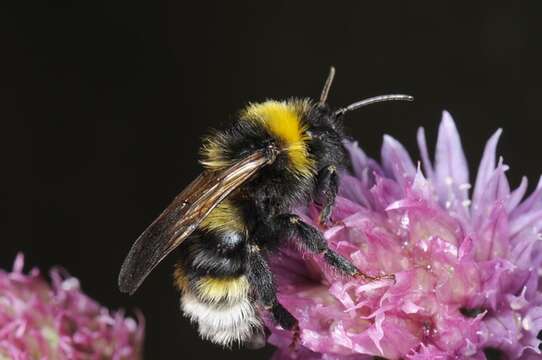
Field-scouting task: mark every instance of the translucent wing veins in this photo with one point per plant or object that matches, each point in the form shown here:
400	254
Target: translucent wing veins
183	216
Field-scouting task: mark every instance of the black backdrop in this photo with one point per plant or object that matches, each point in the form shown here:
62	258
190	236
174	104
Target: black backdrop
103	104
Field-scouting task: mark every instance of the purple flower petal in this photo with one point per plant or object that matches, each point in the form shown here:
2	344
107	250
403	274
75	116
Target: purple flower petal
492	239
533	202
487	167
422	145
450	163
396	161
466	275
428	352
517	195
352	189
363	166
59	321
496	193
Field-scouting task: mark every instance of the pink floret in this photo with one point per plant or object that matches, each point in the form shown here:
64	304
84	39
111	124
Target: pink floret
466	261
58	321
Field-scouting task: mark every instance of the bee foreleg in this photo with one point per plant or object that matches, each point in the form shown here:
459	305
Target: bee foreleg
326	191
261	280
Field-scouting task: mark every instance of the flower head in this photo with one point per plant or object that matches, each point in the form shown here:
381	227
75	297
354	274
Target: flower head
466	261
39	321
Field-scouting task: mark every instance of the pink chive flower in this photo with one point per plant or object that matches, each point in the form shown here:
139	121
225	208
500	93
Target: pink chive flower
466	261
58	321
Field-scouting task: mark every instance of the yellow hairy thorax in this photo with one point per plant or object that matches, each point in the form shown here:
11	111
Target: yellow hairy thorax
284	121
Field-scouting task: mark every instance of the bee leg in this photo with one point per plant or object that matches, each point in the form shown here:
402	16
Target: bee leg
261	280
313	240
326	191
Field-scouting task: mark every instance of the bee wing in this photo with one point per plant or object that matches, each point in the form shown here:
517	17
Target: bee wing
184	215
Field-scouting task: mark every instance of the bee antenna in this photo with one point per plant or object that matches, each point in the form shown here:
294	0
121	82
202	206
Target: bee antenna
373	100
327	85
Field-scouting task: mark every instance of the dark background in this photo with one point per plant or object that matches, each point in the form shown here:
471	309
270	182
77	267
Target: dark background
103	104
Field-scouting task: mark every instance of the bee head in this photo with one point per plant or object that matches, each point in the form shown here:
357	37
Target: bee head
324	125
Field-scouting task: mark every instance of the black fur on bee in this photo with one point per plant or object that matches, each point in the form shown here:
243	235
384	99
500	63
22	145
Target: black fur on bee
275	156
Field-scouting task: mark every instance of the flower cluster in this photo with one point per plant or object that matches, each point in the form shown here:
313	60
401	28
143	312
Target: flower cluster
39	321
466	261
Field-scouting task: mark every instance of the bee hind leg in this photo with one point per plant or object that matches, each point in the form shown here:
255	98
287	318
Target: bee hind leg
261	280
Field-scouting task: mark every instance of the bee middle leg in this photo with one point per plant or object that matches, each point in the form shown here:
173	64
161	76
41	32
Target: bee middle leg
261	279
312	240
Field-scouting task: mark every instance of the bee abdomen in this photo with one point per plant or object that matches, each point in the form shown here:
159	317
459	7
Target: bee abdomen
215	293
207	257
222	323
221	307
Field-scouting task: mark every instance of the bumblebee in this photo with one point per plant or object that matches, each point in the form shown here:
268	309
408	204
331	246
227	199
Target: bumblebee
275	156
